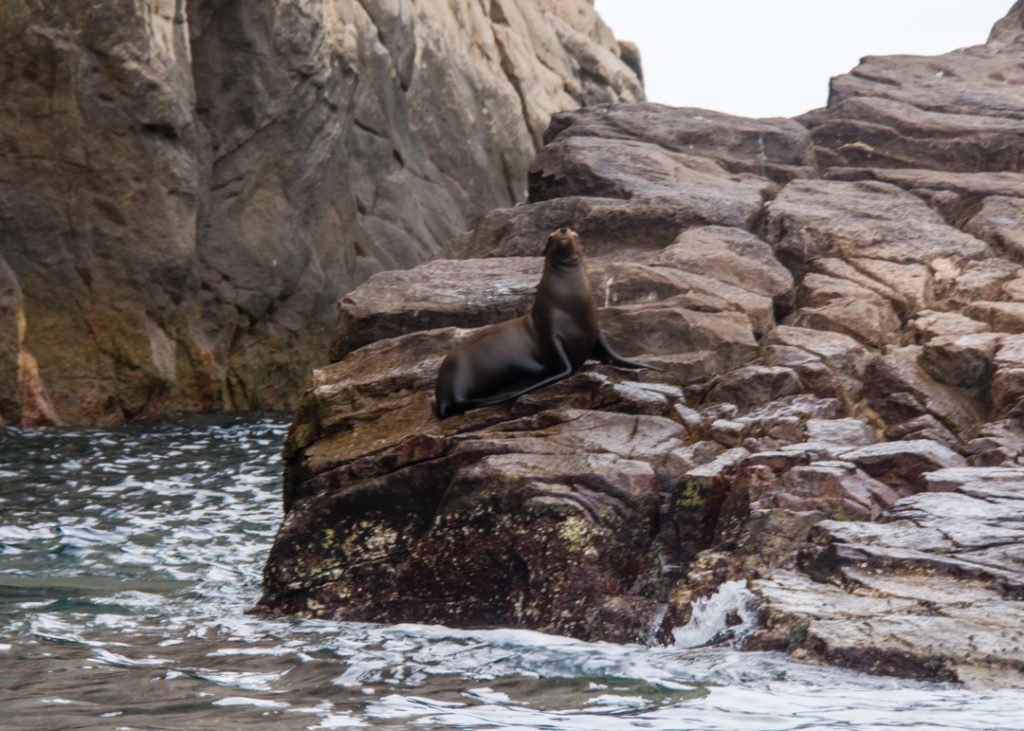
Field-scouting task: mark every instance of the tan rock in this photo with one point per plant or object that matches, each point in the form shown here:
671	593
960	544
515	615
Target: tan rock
202	181
633	169
1007	317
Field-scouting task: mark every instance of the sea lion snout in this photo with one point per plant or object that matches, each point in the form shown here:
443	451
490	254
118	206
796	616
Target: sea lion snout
564	239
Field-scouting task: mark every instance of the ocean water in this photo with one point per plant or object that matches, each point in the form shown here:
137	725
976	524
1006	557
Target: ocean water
129	556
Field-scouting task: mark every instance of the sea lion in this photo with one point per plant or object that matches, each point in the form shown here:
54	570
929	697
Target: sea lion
511	358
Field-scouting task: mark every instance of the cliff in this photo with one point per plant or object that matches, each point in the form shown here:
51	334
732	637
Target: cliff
187	188
836	303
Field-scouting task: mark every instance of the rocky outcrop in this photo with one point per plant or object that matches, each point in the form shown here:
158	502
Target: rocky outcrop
187	188
835	304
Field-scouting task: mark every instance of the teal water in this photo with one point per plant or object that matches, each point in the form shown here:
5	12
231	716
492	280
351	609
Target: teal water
129	555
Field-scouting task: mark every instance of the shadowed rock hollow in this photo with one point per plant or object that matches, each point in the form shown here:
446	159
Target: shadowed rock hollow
187	188
837	304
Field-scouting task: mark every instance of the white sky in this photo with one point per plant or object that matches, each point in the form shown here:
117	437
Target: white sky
766	58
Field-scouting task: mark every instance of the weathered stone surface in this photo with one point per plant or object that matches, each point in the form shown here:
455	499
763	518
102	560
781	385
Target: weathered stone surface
779	149
706	270
964	361
998	442
754	385
955	112
635	170
839	418
830	303
902	464
929	324
999	222
1007	317
820	218
440	293
899	390
665	329
940	599
201	181
980	280
732	257
606	224
959	198
840	431
828	363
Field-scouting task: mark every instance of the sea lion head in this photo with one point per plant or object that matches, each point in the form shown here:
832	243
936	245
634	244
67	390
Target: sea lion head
563	246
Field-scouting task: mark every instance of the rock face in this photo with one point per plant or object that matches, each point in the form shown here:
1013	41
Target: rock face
837	305
187	188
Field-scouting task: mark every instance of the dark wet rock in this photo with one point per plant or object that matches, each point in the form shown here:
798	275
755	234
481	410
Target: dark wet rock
595	504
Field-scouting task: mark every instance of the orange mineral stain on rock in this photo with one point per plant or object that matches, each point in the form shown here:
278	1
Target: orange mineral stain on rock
36	409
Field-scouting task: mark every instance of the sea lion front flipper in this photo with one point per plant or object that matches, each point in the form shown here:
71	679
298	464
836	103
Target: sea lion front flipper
603	352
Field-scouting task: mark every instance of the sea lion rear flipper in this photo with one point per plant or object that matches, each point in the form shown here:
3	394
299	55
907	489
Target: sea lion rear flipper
603	352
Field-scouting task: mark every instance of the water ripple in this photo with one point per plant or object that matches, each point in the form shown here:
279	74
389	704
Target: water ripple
129	555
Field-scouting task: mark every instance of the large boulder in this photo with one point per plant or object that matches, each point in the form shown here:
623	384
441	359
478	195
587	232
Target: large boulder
186	189
834	304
